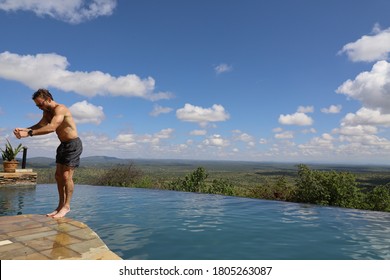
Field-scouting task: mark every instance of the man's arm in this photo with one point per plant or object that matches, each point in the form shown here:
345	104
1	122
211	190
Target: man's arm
43	127
56	121
23	132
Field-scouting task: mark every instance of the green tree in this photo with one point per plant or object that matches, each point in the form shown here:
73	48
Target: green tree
278	189
379	198
327	188
194	182
220	186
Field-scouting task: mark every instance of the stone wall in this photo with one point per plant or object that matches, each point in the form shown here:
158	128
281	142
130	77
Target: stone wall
18	178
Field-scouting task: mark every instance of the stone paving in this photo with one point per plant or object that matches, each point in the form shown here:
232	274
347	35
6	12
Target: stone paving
22	177
37	237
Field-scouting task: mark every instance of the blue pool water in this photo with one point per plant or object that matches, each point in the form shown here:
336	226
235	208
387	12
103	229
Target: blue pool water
157	224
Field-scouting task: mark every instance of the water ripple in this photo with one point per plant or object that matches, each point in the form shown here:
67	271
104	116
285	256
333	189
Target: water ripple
155	224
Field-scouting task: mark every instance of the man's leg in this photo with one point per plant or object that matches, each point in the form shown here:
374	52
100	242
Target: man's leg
65	186
60	188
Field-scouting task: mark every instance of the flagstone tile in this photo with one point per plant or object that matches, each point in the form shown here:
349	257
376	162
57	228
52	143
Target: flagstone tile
37	237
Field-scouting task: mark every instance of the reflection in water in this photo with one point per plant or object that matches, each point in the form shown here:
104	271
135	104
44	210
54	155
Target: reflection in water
197	214
155	224
12	199
60	240
300	213
362	234
368	233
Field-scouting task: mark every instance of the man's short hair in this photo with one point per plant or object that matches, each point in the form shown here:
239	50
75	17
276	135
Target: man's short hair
43	93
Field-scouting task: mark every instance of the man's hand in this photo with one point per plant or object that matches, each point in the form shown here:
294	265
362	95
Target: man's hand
21	132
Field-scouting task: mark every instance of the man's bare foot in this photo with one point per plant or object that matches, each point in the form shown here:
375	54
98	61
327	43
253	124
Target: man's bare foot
52	213
61	213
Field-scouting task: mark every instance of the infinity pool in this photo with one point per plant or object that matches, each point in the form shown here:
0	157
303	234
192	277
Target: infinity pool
156	224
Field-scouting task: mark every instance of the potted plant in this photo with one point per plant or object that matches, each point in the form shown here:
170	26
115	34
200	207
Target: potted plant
9	157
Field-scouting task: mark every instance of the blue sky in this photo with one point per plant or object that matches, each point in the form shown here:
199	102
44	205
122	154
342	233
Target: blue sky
296	81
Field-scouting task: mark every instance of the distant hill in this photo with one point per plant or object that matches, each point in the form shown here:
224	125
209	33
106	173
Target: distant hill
106	161
101	161
36	162
40	162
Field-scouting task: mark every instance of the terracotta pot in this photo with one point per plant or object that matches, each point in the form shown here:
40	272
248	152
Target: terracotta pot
10	166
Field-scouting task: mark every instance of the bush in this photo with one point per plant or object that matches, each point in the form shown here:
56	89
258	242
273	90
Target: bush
196	182
379	198
220	186
193	182
310	186
121	176
276	190
327	188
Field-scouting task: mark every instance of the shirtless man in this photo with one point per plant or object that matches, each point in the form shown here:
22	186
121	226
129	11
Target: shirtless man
57	118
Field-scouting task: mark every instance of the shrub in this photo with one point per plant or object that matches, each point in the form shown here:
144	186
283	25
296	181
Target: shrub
220	186
275	190
193	182
196	182
121	175
379	198
327	188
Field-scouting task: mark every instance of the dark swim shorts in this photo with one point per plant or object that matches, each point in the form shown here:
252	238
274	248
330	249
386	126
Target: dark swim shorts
68	153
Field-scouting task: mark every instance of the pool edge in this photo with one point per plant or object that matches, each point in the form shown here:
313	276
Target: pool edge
37	237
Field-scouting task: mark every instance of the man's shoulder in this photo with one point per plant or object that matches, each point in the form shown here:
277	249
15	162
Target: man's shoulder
60	108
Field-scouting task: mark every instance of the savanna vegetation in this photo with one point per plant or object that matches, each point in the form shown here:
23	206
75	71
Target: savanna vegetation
361	188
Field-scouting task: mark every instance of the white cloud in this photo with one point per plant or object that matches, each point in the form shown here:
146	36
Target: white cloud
71	11
327	137
158	110
309	130
131	139
126	138
164	133
296	119
358	133
263	141
49	70
307	109
216	140
325	140
356	130
242	136
365	116
284	135
369	48
370	145
318	145
222	68
371	88
277	129
84	112
333	109
198	132
249	140
191	113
